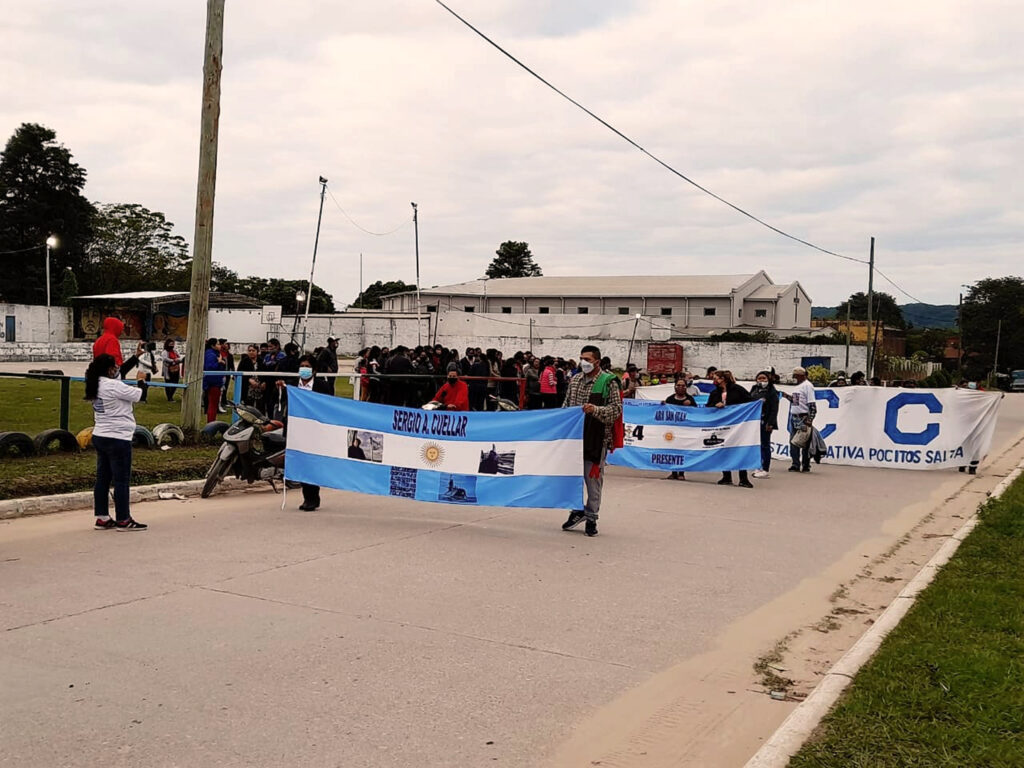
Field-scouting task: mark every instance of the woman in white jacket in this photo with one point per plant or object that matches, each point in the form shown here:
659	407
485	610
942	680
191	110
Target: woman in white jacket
112	401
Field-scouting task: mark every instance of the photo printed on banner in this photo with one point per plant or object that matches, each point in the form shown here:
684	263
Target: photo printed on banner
403	483
457	489
366	446
495	462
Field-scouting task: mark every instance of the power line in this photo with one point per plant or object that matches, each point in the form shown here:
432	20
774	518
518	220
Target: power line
653	157
23	250
897	287
357	226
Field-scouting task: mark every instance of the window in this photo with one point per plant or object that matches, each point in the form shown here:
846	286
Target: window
543	310
666	310
760	313
709	312
431	307
506	310
582	310
623	310
469	308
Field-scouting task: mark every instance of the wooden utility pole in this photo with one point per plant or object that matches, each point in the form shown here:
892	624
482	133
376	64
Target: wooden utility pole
202	248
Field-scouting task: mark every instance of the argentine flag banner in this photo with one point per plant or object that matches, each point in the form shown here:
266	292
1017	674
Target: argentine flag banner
518	459
676	439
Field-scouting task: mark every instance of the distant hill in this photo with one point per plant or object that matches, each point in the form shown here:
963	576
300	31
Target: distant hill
930	315
917	315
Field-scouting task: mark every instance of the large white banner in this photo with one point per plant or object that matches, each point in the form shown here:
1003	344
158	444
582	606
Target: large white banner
890	427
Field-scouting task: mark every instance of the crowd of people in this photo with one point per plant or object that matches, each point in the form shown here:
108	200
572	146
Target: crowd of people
475	380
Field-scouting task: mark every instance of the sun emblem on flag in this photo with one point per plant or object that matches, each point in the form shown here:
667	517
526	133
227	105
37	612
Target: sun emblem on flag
432	454
669	437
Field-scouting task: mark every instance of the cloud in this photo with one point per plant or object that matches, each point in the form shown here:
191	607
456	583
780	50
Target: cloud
833	121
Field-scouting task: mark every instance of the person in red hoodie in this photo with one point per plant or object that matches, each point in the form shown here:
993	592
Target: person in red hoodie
109	342
454	393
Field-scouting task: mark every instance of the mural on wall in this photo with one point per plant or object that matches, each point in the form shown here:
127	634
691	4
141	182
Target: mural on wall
169	326
89	324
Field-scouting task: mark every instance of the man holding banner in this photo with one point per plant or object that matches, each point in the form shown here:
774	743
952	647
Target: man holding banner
598	394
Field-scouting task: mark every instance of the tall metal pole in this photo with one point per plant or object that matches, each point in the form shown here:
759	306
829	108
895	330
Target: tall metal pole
871	298
316	242
995	361
629	354
416	229
48	339
849	332
202	248
960	333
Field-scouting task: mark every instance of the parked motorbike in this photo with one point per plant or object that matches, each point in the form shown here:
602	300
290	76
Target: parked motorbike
253	449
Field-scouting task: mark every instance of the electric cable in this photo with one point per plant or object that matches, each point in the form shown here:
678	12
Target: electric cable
357	226
23	250
653	157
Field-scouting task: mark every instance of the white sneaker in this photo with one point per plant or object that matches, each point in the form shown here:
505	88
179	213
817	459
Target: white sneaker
759	473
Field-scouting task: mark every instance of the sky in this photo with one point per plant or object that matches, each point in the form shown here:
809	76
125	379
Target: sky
833	121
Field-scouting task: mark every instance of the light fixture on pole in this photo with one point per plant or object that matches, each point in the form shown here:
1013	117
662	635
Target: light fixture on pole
300	299
51	242
416	229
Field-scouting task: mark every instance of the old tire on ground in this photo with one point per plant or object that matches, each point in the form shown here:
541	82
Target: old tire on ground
216	473
84	438
143	438
64	439
168	434
214	431
16	444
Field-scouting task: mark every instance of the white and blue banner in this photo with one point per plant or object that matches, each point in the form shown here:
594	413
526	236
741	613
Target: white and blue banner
891	427
677	439
519	459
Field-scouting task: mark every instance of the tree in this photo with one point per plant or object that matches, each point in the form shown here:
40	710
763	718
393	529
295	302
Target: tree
884	309
68	288
40	195
276	291
134	249
988	302
513	259
372	296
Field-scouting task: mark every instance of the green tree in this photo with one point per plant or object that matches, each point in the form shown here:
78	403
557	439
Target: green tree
274	290
134	249
513	259
40	195
68	287
372	296
987	303
930	341
884	308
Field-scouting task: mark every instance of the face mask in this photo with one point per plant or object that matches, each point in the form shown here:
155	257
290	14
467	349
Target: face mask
305	373
586	366
762	383
452	379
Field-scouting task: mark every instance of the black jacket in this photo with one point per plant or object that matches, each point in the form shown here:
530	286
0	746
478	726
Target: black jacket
769	396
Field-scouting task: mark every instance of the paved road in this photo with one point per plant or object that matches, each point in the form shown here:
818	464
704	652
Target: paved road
379	632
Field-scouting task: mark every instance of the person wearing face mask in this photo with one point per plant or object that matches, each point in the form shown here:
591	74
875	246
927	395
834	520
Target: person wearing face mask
728	392
479	370
680	397
308	380
114	427
453	394
597	393
764	390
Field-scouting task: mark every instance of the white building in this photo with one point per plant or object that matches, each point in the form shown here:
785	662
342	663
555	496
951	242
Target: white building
684	302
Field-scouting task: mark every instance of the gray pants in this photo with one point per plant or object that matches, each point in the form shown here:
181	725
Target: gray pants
594	486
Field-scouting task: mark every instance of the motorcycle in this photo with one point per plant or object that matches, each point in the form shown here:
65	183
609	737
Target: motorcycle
253	449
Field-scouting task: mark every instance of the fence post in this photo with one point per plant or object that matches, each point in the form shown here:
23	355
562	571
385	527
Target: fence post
65	402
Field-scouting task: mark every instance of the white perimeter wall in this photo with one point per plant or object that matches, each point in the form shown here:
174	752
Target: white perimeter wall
30	323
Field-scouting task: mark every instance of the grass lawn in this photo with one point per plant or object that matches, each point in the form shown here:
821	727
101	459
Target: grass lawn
946	689
65	473
31	405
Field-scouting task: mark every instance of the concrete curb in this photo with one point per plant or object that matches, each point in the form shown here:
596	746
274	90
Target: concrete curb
797	728
44	505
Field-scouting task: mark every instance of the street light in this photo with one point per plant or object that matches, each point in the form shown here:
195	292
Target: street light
51	242
300	299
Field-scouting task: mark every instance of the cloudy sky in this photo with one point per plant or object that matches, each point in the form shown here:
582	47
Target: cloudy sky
834	121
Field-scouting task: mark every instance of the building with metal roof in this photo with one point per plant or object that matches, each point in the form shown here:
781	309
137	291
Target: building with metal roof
698	302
